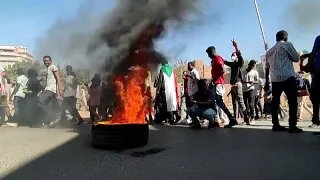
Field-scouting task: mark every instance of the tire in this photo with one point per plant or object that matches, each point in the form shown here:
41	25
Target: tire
119	136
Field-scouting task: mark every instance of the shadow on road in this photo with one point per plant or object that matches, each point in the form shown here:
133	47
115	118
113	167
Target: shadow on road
182	153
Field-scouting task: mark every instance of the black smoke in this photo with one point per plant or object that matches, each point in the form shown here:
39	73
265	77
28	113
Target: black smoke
128	20
304	14
135	25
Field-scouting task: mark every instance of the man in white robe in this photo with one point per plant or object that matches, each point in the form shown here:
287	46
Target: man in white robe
167	95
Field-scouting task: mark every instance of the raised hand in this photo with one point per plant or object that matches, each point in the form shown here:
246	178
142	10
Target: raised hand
234	43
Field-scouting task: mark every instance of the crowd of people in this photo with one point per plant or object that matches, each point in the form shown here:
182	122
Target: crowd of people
42	99
203	98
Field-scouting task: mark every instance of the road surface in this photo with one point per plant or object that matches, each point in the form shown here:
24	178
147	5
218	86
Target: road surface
243	153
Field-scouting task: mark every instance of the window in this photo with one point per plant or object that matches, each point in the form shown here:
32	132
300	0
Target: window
6	50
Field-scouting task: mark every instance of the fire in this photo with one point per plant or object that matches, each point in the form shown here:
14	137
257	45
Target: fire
133	106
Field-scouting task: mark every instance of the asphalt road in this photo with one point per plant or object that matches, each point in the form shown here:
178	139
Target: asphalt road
243	153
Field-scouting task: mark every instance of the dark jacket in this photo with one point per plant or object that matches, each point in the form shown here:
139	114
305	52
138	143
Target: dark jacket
236	69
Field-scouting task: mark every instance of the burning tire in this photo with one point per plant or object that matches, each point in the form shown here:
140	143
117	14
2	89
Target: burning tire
119	136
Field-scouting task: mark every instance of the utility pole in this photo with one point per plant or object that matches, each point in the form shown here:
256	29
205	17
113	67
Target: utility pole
263	35
260	24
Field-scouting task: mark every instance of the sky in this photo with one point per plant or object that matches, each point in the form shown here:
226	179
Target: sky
25	22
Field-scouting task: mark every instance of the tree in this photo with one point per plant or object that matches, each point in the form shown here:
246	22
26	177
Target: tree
11	71
260	70
83	75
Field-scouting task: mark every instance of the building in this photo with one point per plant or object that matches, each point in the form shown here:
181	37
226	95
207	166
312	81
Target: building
9	55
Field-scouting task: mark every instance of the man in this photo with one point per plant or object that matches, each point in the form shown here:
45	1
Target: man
167	94
4	94
203	106
83	98
236	82
257	100
43	73
313	67
53	88
70	100
19	95
279	64
184	110
192	78
217	83
250	79
148	82
303	92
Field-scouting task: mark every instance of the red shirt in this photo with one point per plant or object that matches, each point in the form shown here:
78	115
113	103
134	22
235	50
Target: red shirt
217	64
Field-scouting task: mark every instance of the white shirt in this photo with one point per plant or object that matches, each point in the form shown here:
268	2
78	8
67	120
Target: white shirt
8	89
23	81
195	73
71	87
250	76
51	80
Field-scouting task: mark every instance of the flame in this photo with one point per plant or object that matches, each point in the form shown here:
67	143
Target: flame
133	106
134	100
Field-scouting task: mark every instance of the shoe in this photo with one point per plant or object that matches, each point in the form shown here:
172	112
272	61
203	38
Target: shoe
314	126
196	126
316	133
54	123
213	125
11	120
279	128
165	124
295	130
252	121
231	124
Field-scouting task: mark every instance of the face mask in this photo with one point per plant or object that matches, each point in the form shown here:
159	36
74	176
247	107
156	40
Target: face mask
234	58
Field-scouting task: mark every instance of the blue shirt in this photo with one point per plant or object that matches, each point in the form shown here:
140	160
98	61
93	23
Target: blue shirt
316	46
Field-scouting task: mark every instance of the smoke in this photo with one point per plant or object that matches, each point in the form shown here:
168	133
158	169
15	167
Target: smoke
66	41
104	39
304	14
129	19
129	32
